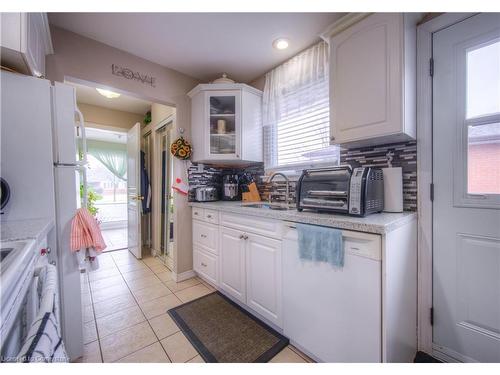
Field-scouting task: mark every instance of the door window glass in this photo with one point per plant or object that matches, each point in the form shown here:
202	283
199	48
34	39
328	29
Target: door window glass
483	80
483	159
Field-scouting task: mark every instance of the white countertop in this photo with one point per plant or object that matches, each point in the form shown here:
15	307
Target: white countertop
381	223
13	230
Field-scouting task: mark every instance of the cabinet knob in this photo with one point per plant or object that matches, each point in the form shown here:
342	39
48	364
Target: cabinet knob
242	236
203	264
332	138
245	237
203	236
196	213
209	216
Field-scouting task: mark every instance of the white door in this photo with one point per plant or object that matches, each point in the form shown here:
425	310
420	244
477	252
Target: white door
466	174
263	265
232	263
134	198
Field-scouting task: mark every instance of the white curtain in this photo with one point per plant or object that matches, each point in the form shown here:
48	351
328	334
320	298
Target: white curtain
295	92
112	155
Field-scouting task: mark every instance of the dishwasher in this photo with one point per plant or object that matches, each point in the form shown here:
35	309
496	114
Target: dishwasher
334	314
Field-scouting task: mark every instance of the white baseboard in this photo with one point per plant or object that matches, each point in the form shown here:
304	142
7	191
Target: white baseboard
178	277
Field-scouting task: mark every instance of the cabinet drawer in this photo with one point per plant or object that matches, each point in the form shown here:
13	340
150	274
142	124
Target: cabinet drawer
198	213
206	236
205	264
257	225
212	216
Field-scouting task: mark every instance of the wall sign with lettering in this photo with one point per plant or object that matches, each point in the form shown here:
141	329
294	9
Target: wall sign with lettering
127	73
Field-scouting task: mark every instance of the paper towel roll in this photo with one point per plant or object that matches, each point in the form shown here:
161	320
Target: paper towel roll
393	189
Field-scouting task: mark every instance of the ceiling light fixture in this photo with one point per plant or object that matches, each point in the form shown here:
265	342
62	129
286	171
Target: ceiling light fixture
108	94
281	43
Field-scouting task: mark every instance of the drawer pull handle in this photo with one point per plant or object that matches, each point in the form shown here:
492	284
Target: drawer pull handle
354	248
242	236
209	216
203	236
196	213
245	237
203	264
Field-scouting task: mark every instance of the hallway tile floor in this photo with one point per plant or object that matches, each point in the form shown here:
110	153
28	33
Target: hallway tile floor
115	239
125	305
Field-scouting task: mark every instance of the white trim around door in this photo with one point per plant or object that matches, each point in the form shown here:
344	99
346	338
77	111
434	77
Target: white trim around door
424	170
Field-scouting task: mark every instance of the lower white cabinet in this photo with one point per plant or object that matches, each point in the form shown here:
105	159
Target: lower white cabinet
232	263
205	264
263	267
250	271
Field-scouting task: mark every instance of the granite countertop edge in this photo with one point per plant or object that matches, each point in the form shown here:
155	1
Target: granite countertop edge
382	223
33	229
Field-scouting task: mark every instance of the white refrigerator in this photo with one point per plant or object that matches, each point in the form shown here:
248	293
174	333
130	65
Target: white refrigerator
43	159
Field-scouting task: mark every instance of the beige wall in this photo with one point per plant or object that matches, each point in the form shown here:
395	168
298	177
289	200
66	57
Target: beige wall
160	112
259	82
109	117
86	59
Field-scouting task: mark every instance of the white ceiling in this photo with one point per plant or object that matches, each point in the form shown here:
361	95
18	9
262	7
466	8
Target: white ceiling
106	135
203	45
89	95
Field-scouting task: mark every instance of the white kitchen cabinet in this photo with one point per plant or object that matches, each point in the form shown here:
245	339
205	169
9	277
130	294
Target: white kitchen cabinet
232	278
205	264
373	80
226	123
263	268
25	41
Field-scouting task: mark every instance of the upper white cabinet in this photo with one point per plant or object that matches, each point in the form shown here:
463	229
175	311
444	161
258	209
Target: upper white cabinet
25	41
226	123
373	78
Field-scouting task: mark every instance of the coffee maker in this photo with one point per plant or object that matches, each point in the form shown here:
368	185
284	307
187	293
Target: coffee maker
230	188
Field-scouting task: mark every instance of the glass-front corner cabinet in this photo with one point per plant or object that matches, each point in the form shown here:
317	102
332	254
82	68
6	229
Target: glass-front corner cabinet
226	123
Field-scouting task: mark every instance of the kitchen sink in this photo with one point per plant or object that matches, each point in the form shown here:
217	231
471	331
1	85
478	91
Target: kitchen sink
269	206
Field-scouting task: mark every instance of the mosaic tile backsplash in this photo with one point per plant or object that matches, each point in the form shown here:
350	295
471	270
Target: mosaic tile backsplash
404	155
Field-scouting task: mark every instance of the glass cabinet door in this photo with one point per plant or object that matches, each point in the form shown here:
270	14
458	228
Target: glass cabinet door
223	123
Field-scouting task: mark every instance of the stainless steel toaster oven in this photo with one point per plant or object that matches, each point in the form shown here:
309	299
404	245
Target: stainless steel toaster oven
358	191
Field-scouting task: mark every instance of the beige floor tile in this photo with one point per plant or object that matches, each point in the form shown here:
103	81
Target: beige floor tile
86	299
103	274
210	287
165	276
151	292
142	283
196	359
108	293
91	353
158	268
88	313
137	274
89	332
107	282
151	261
113	305
128	267
163	326
297	351
159	306
287	355
119	320
175	287
127	341
191	293
150	354
178	348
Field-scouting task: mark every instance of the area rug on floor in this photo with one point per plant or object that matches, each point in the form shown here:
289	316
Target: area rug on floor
224	332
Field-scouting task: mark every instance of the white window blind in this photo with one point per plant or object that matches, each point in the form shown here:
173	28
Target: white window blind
296	112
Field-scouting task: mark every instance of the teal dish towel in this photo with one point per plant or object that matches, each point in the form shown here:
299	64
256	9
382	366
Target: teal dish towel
321	244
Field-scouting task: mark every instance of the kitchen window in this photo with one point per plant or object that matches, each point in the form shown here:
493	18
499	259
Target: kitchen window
297	113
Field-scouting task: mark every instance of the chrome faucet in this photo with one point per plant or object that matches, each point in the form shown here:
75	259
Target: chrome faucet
287	197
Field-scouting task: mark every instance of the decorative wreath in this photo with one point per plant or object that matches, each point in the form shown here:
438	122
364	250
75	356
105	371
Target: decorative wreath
181	149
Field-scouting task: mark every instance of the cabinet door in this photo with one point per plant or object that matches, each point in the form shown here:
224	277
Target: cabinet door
232	263
263	258
35	49
223	113
366	79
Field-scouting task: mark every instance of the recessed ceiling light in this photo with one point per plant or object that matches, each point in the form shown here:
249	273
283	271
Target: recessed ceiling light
281	43
108	94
